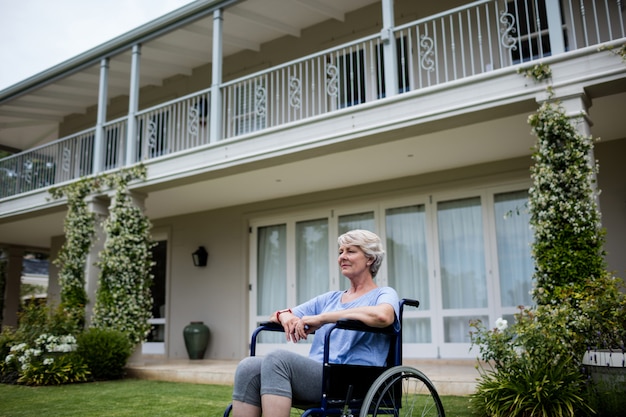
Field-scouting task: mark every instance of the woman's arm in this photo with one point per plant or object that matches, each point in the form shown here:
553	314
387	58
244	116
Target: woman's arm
381	315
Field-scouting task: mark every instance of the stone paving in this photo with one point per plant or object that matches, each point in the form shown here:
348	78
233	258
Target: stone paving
450	377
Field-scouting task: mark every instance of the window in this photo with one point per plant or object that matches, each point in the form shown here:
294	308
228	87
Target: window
249	106
153	135
112	148
402	59
407	265
513	239
462	256
351	87
530	23
312	259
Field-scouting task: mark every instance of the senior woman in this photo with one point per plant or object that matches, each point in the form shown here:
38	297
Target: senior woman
268	384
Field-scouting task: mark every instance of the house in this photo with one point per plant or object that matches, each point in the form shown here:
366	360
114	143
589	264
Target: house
269	127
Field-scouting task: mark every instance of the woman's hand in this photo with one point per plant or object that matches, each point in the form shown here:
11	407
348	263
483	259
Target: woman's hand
307	325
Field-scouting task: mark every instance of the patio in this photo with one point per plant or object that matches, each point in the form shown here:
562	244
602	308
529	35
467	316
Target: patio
451	377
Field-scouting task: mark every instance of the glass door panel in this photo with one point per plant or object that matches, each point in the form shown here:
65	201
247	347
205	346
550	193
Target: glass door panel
513	242
312	261
462	254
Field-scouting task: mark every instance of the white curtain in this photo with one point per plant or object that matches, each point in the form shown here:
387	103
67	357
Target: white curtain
513	239
311	259
363	221
271	269
461	254
407	265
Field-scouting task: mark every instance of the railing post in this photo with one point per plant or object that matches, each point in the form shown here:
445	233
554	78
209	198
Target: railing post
555	27
215	121
133	106
98	146
389	47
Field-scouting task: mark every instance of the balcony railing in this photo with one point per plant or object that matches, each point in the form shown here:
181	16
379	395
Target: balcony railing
459	43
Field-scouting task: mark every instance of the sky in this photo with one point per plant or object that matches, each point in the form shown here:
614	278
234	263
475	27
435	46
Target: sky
38	34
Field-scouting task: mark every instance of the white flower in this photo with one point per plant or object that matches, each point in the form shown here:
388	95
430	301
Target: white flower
501	324
48	361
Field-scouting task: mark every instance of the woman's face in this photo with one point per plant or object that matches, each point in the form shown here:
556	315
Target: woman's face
352	261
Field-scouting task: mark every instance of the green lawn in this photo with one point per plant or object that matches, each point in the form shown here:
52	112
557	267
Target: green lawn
135	398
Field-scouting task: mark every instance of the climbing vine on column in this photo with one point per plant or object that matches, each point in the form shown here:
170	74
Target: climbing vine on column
79	228
568	247
123	299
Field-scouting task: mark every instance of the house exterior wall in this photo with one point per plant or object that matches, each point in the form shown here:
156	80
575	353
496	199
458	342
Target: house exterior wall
219	294
613	202
471	135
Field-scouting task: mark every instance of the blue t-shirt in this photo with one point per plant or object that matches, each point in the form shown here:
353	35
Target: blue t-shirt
349	346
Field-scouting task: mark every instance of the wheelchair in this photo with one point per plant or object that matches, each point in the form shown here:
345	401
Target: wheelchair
367	391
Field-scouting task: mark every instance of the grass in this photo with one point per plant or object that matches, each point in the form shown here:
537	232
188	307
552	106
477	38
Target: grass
136	398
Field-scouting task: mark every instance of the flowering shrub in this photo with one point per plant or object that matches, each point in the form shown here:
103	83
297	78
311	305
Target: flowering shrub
48	361
528	368
538	72
79	232
533	367
123	300
568	246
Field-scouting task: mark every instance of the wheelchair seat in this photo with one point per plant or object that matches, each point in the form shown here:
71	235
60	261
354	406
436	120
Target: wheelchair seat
369	390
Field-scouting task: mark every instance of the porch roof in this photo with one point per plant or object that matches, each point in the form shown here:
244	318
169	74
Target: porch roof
173	44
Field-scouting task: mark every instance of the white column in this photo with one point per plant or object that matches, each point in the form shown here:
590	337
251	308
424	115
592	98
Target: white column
389	47
215	121
99	207
555	27
98	154
133	106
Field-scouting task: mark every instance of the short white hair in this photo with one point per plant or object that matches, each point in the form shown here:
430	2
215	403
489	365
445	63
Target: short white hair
369	243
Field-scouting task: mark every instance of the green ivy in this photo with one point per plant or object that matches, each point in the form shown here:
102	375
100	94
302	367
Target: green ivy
79	228
538	72
533	367
568	244
123	299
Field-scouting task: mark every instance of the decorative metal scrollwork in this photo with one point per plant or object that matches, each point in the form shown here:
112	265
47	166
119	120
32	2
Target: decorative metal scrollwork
295	92
427	52
66	159
332	80
28	171
152	131
507	40
193	119
260	102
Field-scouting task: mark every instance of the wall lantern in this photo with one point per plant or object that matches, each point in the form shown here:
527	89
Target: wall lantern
200	256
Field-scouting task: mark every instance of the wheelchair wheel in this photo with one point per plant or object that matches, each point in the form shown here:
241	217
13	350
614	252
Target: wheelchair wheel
402	391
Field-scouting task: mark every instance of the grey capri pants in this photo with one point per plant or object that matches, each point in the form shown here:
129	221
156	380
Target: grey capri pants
281	372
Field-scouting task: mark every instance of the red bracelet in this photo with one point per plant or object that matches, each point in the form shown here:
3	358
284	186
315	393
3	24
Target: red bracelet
279	312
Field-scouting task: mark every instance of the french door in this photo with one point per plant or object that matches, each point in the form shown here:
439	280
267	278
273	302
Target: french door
464	256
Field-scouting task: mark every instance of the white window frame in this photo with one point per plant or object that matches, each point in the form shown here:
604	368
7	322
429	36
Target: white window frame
437	348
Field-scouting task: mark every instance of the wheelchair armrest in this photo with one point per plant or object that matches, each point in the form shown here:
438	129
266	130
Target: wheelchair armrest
263	326
409	302
350	324
271	326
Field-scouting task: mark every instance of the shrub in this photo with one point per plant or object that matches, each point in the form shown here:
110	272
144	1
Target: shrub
7	339
37	319
105	351
530	370
49	360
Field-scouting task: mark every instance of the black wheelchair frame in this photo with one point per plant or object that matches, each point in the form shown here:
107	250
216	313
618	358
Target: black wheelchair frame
394	389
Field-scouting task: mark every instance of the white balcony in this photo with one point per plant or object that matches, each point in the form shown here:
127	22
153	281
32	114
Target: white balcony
447	49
